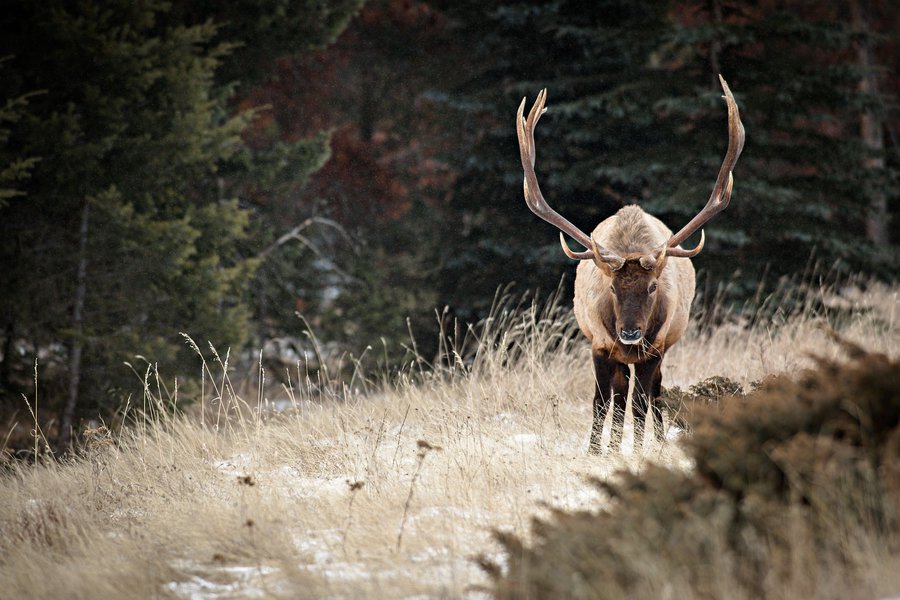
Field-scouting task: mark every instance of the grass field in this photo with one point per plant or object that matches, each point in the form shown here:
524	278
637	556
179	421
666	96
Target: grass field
381	489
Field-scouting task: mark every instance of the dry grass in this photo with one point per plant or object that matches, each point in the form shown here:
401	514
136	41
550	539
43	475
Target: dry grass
388	493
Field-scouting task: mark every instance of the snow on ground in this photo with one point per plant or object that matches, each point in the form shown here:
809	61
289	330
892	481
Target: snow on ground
441	532
237	581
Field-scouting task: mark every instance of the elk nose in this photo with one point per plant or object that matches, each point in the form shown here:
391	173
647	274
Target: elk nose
630	336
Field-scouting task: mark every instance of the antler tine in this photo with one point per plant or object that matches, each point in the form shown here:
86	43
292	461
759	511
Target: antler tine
586	255
533	196
721	194
681	252
534	115
525	130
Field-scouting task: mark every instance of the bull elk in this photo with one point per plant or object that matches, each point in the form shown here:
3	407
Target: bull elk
634	285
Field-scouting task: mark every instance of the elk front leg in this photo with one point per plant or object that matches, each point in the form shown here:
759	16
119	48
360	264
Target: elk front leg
620	400
611	389
655	407
646	390
603	373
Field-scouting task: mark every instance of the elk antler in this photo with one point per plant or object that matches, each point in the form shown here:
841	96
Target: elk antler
535	200
721	193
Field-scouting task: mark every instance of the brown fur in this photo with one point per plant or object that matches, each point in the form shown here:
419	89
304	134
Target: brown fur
662	317
632	233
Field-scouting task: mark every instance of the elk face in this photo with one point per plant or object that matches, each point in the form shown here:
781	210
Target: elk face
635	295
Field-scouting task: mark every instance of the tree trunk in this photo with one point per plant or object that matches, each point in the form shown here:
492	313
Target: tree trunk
68	416
871	132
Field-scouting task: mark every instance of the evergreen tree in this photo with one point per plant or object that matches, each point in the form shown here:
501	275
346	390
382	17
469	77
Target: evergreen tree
599	122
355	250
293	235
635	116
267	29
14	167
803	187
131	227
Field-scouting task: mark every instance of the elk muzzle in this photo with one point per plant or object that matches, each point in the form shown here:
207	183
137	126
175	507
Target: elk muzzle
630	336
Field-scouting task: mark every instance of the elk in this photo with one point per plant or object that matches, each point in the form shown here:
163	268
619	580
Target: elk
633	286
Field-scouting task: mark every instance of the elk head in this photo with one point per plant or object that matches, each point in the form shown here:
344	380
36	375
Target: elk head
634	278
634	291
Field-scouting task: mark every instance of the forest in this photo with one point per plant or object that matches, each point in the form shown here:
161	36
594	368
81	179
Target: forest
341	179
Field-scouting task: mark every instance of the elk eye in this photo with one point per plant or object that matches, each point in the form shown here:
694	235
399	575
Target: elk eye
612	290
652	287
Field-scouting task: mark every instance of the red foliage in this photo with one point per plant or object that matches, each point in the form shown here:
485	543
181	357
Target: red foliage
365	89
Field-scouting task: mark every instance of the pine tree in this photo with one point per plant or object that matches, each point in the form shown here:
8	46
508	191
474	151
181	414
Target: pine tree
803	189
267	30
136	222
14	167
593	59
363	261
635	116
122	240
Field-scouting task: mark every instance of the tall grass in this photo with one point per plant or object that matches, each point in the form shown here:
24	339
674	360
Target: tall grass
374	487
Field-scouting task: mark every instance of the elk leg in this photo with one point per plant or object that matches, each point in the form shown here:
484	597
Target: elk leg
620	397
603	372
655	407
646	390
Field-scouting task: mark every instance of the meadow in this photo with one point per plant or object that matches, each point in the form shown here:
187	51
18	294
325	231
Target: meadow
381	486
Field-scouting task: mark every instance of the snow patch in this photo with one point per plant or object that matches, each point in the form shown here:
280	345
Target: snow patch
235	466
524	439
673	433
248	581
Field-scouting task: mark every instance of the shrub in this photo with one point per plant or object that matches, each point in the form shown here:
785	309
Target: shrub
795	492
681	405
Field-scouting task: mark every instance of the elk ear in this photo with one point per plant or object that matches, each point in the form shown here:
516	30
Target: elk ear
655	262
